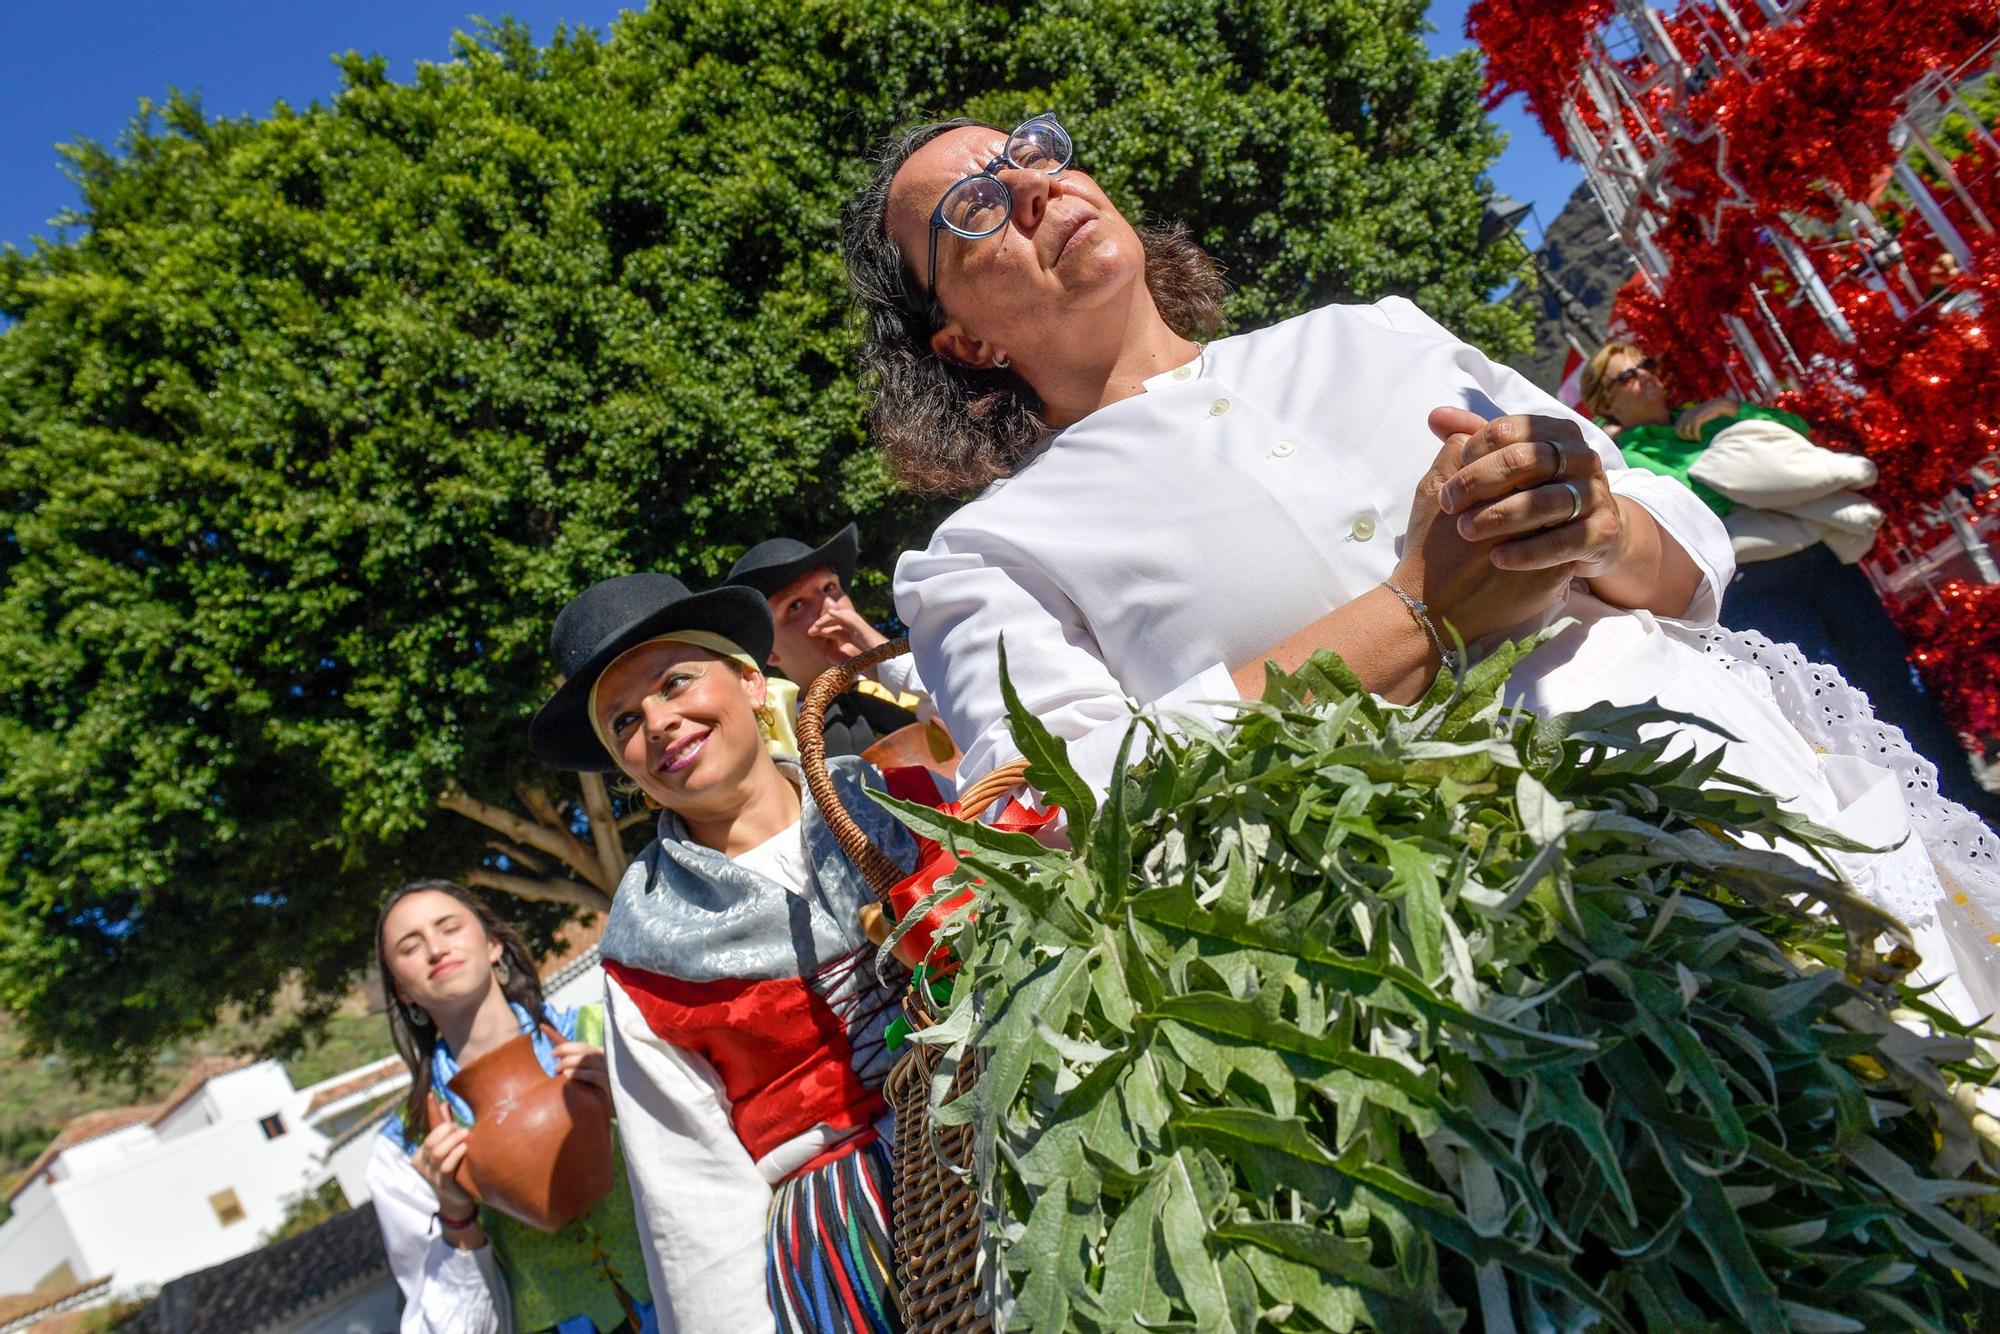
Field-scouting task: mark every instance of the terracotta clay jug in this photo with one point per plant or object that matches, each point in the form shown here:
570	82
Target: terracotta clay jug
541	1146
917	746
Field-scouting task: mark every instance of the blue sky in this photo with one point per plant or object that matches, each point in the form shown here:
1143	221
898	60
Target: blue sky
77	70
1528	169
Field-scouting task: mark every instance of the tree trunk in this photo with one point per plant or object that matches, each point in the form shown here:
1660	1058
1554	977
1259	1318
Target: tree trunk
554	864
604	831
555	889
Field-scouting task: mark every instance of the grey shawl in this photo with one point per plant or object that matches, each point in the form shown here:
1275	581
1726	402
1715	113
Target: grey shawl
687	911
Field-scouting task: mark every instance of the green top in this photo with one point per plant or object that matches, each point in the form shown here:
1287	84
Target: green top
580	1269
1658	449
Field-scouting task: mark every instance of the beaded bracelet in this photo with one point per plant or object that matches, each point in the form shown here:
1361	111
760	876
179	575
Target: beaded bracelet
457	1224
1447	658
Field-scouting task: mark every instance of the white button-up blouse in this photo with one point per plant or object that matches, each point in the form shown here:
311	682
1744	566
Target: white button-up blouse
1171	535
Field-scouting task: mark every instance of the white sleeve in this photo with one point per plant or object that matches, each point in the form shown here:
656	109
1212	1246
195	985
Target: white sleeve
700	1200
1679	513
958	600
445	1290
900	675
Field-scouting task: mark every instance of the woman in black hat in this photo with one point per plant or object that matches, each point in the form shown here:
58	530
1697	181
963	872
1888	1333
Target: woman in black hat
746	1015
816	627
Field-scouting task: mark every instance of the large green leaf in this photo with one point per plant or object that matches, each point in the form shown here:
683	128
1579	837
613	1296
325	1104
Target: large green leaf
1049	769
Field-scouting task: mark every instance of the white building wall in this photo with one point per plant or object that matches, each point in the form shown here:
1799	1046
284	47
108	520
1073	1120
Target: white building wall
252	1092
349	1165
94	1155
151	1220
36	1239
587	988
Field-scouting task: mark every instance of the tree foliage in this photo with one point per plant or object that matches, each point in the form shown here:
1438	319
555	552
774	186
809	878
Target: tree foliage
318	418
1441	1016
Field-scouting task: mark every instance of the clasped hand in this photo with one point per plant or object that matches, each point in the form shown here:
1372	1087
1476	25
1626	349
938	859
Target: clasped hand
1511	510
1534	488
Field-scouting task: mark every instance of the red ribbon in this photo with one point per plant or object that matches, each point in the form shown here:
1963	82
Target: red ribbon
934	863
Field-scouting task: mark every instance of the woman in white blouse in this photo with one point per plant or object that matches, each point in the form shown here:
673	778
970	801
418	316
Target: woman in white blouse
460	983
1160	517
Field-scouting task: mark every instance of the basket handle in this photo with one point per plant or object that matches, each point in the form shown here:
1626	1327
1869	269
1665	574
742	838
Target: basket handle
881	873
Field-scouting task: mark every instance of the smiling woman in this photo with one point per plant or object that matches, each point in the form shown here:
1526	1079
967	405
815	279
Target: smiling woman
461	986
746	1036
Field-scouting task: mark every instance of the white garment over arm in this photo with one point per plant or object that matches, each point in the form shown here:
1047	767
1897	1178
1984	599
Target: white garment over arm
701	1200
900	675
445	1290
1179	533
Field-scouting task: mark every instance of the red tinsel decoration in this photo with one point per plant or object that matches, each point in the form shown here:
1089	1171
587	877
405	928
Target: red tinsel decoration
1792	121
1533	47
1958	651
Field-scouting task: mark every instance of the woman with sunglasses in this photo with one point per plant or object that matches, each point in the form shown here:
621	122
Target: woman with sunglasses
1159	517
1798	526
1622	383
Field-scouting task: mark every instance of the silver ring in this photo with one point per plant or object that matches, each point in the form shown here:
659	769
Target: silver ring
1562	462
1575	500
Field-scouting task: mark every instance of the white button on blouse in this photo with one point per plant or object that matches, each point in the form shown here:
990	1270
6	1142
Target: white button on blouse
1151	546
1284	449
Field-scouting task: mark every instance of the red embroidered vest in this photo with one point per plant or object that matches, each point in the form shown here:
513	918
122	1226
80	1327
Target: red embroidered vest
781	1045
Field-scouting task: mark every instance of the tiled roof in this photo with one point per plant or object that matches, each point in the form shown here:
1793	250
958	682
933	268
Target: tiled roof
207	1068
88	1126
368	1123
389	1067
575	949
255	1292
572	970
91	1125
18	1307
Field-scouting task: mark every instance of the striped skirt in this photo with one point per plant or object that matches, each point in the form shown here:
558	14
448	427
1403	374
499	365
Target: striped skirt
829	1248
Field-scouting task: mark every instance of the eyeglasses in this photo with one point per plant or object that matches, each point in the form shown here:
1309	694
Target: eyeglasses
980	204
1630	375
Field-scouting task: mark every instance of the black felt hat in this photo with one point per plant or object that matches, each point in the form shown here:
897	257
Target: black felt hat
770	566
611	616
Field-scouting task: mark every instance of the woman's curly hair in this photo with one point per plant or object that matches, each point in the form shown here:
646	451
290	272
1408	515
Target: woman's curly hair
946	428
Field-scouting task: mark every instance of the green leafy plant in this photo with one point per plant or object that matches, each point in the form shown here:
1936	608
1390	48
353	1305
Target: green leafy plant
1356	1015
306	1209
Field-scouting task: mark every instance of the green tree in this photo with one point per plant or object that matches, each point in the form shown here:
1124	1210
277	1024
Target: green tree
306	1209
318	418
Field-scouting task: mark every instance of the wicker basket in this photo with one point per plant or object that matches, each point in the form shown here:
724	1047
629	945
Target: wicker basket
937	1212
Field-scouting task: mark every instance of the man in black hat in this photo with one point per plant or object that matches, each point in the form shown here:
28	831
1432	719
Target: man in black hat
817	627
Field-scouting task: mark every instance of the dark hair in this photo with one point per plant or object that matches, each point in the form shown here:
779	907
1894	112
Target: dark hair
416	1043
949	428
